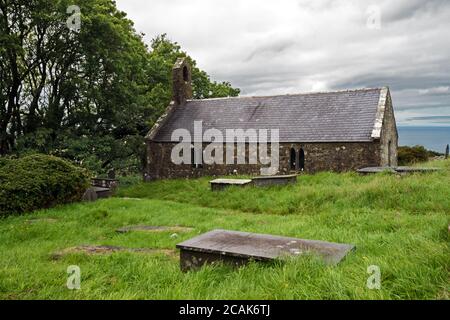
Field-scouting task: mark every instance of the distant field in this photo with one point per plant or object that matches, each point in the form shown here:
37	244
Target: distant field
397	223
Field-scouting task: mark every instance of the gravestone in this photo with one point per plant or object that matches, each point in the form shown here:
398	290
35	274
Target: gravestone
263	181
154	229
400	170
369	170
238	248
105	249
38	220
102	192
415	170
90	195
221	184
105	183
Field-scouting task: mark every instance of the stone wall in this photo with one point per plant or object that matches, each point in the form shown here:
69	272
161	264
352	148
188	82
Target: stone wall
181	81
337	157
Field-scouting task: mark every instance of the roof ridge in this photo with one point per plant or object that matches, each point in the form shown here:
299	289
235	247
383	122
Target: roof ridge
291	94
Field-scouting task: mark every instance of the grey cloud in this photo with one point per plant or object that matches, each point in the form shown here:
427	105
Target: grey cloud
270	49
289	46
406	9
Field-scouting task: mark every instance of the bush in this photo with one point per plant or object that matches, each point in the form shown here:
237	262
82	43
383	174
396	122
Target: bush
411	155
3	161
39	181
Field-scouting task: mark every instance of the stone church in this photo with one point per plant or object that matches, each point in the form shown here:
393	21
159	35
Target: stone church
326	131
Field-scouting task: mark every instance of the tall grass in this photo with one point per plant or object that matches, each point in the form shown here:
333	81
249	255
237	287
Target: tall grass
397	223
417	193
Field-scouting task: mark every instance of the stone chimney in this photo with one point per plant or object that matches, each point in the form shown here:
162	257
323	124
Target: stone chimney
181	81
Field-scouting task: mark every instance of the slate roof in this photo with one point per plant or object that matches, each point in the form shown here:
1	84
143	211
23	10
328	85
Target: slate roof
342	116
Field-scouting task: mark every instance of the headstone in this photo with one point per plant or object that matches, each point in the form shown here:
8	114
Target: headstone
90	195
238	248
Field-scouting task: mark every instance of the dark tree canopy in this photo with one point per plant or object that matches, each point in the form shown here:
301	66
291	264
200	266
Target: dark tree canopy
89	95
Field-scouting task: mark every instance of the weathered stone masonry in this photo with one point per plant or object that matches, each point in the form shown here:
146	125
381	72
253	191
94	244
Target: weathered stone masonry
318	157
331	131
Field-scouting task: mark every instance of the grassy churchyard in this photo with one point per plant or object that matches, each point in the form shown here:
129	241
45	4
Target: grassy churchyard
398	223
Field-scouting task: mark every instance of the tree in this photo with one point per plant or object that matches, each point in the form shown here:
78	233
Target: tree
90	96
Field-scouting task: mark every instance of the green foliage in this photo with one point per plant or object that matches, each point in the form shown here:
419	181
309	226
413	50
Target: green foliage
68	93
411	155
4	161
39	181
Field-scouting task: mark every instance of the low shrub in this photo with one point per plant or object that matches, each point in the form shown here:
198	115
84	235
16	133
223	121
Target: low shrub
4	161
39	181
411	155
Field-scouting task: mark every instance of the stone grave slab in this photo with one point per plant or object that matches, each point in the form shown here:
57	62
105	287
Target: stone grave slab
98	250
90	195
370	170
102	192
37	220
131	199
221	184
282	180
415	170
154	229
238	248
401	170
105	183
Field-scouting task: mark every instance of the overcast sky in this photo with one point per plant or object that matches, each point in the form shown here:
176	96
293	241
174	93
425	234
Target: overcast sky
291	46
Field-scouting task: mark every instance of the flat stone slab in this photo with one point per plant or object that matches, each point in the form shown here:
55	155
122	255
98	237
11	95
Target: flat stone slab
376	170
238	248
94	193
416	169
37	220
154	229
105	183
90	195
274	180
128	198
397	170
102	192
220	184
95	250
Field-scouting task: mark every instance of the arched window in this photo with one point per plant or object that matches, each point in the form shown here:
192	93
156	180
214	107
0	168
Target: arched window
193	157
185	74
199	159
293	159
301	161
196	157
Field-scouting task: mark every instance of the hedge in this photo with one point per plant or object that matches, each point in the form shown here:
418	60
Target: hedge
410	155
39	181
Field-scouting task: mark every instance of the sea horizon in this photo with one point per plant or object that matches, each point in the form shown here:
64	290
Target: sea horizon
433	138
